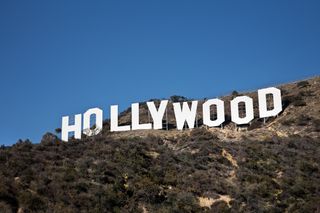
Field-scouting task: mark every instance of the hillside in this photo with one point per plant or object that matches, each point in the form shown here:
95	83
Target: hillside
300	115
268	167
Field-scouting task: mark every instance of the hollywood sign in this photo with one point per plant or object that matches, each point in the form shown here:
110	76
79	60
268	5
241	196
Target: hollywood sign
183	114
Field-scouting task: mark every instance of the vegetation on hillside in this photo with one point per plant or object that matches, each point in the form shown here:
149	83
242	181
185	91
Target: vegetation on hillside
102	174
271	167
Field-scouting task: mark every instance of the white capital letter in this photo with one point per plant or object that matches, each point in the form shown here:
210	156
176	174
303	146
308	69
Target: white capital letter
114	120
66	128
277	103
86	121
248	109
185	114
135	118
157	115
206	112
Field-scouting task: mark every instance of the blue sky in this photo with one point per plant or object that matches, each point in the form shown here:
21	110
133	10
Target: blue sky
62	57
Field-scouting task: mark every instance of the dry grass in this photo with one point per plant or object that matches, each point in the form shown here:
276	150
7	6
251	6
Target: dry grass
208	202
229	157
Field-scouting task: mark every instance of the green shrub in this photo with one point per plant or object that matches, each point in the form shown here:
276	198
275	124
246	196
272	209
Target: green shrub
202	134
303	84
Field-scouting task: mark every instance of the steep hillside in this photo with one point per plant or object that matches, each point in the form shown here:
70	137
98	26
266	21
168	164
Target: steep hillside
300	115
270	167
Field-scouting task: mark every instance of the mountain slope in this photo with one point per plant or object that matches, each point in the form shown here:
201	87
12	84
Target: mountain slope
300	115
272	167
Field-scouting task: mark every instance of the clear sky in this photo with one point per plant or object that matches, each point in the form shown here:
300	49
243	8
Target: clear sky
62	57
